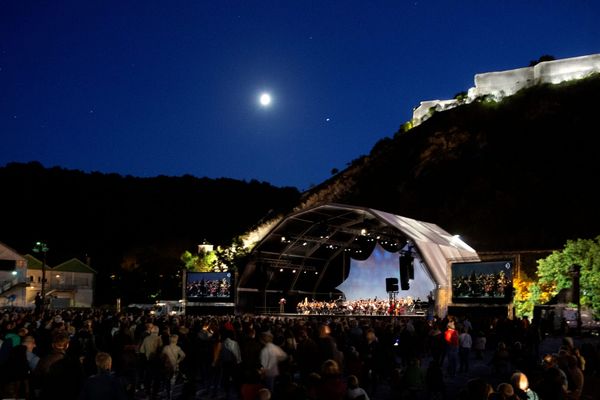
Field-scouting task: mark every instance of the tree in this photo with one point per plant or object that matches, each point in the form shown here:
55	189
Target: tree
523	299
545	57
461	97
554	271
201	262
234	256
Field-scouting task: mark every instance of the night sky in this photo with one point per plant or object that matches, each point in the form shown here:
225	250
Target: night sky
148	88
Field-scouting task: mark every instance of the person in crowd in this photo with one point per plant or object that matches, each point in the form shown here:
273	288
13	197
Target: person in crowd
575	378
520	385
550	362
172	356
32	358
476	389
59	375
104	384
500	361
326	344
307	354
451	338
479	345
434	380
264	394
151	349
437	344
413	380
85	347
39	302
270	357
353	364
464	349
551	386
504	391
15	372
372	357
205	342
251	384
355	392
228	360
332	385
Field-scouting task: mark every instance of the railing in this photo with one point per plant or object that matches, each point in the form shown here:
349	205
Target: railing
62	286
6	285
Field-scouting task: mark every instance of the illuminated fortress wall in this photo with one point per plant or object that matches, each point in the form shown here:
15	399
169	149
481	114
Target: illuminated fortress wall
506	83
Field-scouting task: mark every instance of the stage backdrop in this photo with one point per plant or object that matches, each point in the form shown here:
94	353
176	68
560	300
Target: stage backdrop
366	279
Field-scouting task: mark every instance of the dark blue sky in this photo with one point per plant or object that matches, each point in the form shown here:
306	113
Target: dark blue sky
150	88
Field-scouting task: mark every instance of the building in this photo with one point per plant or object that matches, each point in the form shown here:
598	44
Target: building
13	277
69	284
500	84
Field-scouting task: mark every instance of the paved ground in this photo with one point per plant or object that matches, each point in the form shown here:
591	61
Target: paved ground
478	368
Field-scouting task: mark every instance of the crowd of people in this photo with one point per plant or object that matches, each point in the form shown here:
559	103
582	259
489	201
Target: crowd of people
93	354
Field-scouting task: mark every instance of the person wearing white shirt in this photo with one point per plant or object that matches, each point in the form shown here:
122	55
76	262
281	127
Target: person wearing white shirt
270	357
464	349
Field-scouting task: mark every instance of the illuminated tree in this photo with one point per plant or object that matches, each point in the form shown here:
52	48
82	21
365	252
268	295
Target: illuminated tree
233	257
223	258
523	299
202	262
554	271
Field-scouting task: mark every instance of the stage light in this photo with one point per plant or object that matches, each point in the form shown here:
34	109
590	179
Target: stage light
293	271
280	269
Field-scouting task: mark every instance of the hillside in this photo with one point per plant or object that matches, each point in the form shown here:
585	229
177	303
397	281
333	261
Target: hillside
517	174
133	227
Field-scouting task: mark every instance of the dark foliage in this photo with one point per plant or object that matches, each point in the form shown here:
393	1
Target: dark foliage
132	228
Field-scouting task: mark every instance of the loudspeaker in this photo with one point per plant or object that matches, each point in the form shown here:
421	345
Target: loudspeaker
411	267
405	263
391	284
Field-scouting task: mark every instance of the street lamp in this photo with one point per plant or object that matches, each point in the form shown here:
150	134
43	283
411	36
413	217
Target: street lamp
41	247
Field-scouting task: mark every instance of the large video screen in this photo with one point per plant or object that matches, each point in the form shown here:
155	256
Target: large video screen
489	281
209	286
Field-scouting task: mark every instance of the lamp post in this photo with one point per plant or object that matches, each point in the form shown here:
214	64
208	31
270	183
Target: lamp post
41	247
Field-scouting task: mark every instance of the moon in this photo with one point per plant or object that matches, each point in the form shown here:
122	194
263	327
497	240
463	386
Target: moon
265	99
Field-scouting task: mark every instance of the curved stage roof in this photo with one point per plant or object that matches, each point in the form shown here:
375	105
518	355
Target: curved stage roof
311	244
